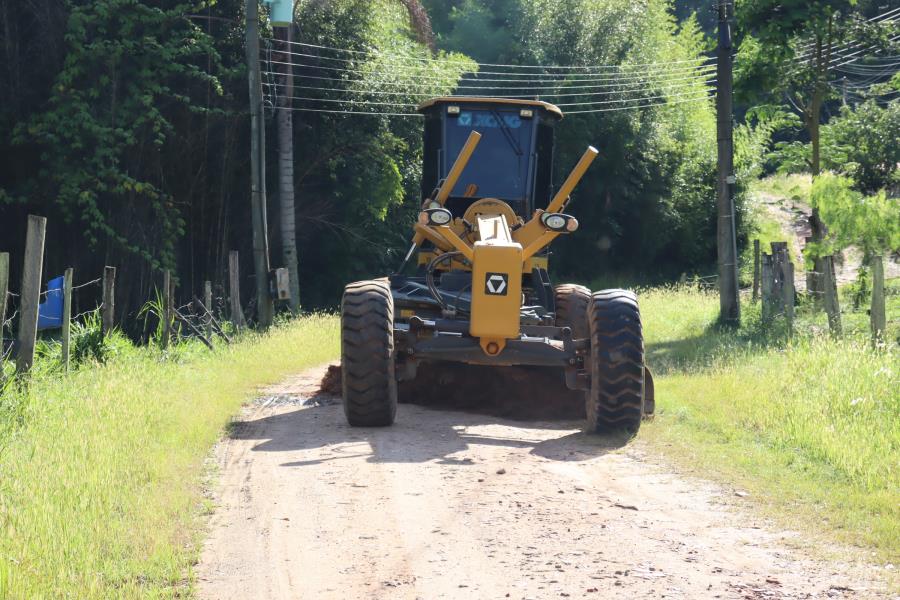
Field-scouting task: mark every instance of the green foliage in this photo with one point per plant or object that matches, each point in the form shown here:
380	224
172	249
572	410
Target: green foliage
358	186
867	136
127	71
154	311
871	222
753	138
482	30
89	345
860	143
648	201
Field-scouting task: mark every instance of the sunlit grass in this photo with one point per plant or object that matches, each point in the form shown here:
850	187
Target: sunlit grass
796	186
809	424
100	476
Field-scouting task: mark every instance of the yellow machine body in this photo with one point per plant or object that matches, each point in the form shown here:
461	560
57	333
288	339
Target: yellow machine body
496	255
496	285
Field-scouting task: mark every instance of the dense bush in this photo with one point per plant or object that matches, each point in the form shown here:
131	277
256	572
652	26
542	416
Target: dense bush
860	143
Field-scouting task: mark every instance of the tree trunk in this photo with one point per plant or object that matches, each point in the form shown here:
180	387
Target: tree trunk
814	118
285	128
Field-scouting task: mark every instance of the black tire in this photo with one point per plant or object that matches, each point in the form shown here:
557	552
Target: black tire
615	400
572	303
368	382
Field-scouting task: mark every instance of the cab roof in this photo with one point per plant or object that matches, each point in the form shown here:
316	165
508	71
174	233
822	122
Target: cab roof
476	100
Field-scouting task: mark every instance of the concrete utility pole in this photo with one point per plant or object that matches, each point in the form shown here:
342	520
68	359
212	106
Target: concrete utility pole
729	294
264	304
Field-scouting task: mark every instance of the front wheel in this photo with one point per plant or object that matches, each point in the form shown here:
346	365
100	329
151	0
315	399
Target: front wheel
368	381
615	400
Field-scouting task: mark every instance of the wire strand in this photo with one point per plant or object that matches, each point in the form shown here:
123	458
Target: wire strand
663	66
509	66
417	84
601	91
563	105
686	99
440	80
615	82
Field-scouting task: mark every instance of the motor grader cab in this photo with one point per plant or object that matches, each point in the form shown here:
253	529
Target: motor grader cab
477	288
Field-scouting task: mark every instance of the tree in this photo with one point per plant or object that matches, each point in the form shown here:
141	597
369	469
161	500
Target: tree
791	49
870	222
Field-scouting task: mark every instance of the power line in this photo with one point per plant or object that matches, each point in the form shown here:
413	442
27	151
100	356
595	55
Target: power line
419	76
807	50
463	63
666	67
417	115
561	105
626	101
417	82
601	90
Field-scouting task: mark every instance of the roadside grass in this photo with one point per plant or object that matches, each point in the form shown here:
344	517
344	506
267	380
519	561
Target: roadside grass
809	425
796	186
101	470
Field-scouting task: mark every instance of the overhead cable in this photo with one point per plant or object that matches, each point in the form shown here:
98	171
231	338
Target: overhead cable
599	90
509	66
420	76
664	67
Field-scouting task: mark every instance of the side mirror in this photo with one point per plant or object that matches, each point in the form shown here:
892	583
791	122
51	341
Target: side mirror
559	222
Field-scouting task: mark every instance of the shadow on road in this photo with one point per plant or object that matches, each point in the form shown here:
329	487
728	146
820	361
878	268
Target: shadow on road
423	433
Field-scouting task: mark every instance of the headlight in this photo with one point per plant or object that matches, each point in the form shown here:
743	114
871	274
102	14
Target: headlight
555	222
559	222
435	217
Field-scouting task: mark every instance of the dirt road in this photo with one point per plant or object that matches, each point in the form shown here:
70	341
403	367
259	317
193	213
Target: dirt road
455	505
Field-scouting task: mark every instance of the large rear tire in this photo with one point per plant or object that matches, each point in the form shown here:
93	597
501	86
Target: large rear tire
368	381
572	303
614	402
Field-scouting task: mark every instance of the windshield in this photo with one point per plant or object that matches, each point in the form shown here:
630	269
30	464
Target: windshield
499	167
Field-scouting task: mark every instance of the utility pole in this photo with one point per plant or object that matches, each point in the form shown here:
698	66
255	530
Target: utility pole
729	294
264	304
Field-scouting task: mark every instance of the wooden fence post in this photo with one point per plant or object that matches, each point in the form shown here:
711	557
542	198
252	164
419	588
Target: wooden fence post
755	270
767	277
4	292
109	299
67	316
814	295
207	301
877	315
166	308
31	291
832	305
234	287
788	291
779	258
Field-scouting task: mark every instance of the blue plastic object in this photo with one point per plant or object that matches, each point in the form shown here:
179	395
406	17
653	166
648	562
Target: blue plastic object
50	312
281	12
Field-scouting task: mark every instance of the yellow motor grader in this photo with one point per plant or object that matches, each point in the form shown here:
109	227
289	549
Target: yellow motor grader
481	293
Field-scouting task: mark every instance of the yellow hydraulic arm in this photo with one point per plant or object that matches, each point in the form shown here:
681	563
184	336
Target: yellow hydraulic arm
534	236
423	232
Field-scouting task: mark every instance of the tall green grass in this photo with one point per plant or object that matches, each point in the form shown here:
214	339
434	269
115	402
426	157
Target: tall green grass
100	471
810	424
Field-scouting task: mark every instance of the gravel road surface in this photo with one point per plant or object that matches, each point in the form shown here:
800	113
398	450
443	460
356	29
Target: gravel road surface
448	504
